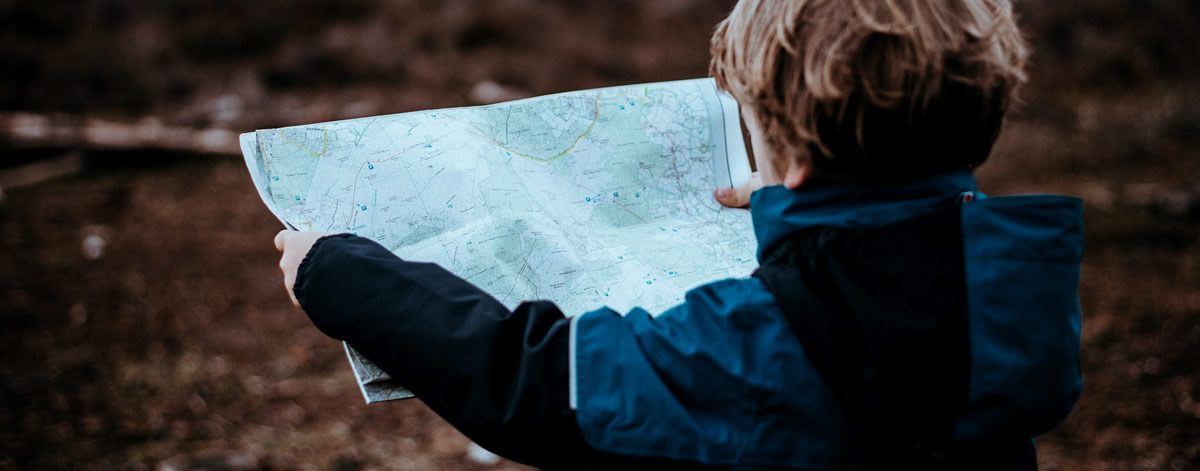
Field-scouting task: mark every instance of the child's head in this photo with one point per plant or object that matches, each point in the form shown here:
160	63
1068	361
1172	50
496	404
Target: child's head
872	91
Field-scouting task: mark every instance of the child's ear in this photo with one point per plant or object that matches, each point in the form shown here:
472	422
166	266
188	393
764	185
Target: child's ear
796	174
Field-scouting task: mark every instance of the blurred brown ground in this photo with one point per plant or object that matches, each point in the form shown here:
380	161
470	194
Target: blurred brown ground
143	321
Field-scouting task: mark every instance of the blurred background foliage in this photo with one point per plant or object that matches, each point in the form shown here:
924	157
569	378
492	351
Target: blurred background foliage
144	325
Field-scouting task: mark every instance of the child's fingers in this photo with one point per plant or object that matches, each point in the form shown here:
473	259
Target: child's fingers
738	197
727	197
287	264
289	281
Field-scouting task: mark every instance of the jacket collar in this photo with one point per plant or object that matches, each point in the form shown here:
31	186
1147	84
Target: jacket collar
778	211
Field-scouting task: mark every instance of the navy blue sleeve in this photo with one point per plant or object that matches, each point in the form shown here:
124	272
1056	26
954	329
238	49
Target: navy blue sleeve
499	376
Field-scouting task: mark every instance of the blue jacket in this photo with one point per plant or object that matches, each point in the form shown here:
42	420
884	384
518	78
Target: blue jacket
723	379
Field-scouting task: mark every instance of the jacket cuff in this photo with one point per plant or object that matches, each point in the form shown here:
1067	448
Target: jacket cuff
304	273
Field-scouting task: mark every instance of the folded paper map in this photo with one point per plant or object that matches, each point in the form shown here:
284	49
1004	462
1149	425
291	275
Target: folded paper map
589	198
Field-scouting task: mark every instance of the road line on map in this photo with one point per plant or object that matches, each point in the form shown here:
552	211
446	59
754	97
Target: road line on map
485	135
324	144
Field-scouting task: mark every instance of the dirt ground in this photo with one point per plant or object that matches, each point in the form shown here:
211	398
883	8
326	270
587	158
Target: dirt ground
144	324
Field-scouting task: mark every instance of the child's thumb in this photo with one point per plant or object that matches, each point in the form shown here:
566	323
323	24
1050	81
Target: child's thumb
279	239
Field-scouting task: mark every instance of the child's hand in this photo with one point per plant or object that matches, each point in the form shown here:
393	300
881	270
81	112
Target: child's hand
739	197
294	246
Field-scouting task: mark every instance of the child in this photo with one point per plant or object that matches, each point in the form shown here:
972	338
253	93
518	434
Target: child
899	318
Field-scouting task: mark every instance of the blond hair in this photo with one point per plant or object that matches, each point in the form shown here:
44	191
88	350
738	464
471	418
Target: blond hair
874	90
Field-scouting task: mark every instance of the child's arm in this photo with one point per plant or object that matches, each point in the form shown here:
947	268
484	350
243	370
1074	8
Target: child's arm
499	376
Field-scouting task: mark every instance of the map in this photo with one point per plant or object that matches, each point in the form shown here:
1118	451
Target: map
590	198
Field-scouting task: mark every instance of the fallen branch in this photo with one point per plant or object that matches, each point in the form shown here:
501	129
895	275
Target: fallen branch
42	170
77	132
